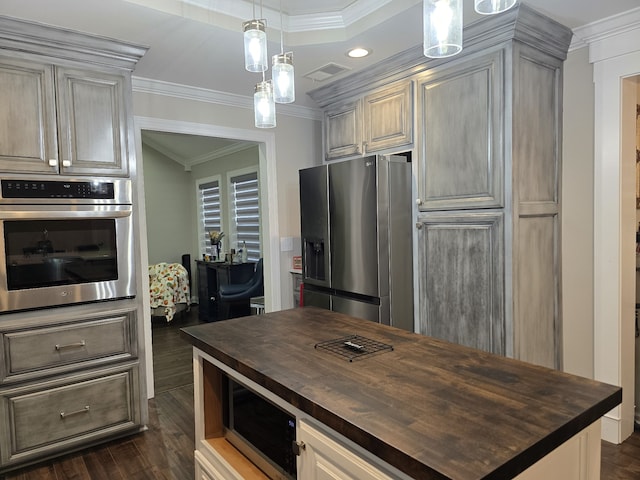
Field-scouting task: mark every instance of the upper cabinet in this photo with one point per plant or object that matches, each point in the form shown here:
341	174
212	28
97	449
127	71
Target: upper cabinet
461	127
93	129
65	110
343	130
371	123
28	138
388	117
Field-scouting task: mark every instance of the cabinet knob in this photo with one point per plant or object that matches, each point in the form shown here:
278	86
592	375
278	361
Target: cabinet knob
418	201
419	226
53	162
66	163
297	447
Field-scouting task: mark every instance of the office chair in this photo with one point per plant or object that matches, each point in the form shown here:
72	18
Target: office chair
235	297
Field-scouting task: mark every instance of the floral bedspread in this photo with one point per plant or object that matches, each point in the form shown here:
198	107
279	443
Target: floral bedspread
168	286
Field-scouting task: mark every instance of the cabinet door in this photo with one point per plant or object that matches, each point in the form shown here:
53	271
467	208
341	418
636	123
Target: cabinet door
461	128
27	117
388	117
323	458
342	130
92	112
68	412
461	278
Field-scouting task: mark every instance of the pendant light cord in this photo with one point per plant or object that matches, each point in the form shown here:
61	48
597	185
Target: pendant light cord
281	31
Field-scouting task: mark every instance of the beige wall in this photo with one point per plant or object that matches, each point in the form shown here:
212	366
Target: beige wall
297	144
169	206
577	214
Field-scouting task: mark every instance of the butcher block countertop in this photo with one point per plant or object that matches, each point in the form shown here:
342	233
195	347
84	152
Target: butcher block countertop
430	408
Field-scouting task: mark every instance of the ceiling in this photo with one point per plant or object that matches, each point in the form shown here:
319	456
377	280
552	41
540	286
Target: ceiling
199	42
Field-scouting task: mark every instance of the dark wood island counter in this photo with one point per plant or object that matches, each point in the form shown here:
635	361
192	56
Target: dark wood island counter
428	408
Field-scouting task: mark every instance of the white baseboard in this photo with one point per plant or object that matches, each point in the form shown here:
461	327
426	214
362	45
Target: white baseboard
611	429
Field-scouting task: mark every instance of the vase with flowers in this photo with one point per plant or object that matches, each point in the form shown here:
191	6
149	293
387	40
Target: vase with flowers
216	239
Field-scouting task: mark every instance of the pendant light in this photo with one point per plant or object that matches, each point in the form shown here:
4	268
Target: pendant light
255	43
442	26
264	106
490	7
284	90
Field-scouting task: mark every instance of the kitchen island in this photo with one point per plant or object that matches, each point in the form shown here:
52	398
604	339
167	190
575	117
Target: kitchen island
417	407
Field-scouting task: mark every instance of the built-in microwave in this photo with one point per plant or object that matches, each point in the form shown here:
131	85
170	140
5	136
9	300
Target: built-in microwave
64	242
262	431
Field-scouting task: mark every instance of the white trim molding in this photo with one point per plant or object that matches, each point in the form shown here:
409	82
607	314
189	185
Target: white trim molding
268	202
187	92
609	27
616	60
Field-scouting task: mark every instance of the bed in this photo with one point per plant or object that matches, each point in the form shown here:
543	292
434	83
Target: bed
170	288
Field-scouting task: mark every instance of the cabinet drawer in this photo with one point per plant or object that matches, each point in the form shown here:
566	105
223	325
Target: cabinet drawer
66	346
47	416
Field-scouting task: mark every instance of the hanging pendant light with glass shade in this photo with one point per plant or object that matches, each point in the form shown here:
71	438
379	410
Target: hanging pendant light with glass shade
490	7
284	89
264	106
255	45
442	28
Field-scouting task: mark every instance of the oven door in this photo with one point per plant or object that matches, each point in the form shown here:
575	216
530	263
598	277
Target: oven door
57	255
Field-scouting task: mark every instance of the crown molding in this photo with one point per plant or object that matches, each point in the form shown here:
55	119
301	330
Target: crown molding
189	162
199	94
605	28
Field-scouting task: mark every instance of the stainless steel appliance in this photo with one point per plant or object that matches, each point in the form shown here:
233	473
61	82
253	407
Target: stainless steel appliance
357	238
64	241
263	432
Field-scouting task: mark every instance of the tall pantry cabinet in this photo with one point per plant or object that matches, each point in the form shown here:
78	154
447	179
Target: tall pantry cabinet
70	376
487	156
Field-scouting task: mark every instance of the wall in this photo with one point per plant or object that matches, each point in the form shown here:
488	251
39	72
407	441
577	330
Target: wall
170	207
577	214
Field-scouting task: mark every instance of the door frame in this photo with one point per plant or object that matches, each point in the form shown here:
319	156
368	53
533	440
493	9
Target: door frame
616	60
269	213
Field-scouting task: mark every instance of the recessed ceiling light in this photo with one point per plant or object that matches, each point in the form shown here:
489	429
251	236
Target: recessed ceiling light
358	52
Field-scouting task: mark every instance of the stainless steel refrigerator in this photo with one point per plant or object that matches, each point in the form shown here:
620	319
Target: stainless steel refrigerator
357	238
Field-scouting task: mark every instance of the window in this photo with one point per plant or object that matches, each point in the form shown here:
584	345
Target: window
209	212
245	213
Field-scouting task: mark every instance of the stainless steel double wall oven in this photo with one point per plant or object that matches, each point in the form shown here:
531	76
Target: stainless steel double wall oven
64	242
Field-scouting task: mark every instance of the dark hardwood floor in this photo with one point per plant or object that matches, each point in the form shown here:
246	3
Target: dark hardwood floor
165	450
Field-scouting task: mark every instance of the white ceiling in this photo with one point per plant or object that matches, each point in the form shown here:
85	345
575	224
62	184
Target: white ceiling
199	42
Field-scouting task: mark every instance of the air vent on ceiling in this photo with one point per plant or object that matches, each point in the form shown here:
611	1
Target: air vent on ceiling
326	71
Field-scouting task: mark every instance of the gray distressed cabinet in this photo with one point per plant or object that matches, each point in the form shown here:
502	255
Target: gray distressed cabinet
487	166
70	376
371	123
63	116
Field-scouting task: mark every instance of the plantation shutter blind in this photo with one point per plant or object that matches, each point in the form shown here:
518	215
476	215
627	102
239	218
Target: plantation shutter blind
246	212
210	213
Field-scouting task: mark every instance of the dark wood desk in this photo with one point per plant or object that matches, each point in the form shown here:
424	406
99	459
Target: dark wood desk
213	274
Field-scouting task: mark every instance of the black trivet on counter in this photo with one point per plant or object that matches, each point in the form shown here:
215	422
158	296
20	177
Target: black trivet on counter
353	347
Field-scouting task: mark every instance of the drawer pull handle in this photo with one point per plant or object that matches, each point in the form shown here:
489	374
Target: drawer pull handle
77	412
79	344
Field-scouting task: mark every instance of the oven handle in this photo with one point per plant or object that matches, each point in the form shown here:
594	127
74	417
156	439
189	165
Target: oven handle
53	212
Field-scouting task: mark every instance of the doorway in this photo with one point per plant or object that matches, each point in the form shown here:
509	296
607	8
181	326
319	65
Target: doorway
268	200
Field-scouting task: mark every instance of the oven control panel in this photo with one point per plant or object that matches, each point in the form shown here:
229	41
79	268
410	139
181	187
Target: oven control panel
36	189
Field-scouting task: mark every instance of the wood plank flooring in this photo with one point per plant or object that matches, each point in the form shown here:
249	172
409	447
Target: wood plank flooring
165	450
